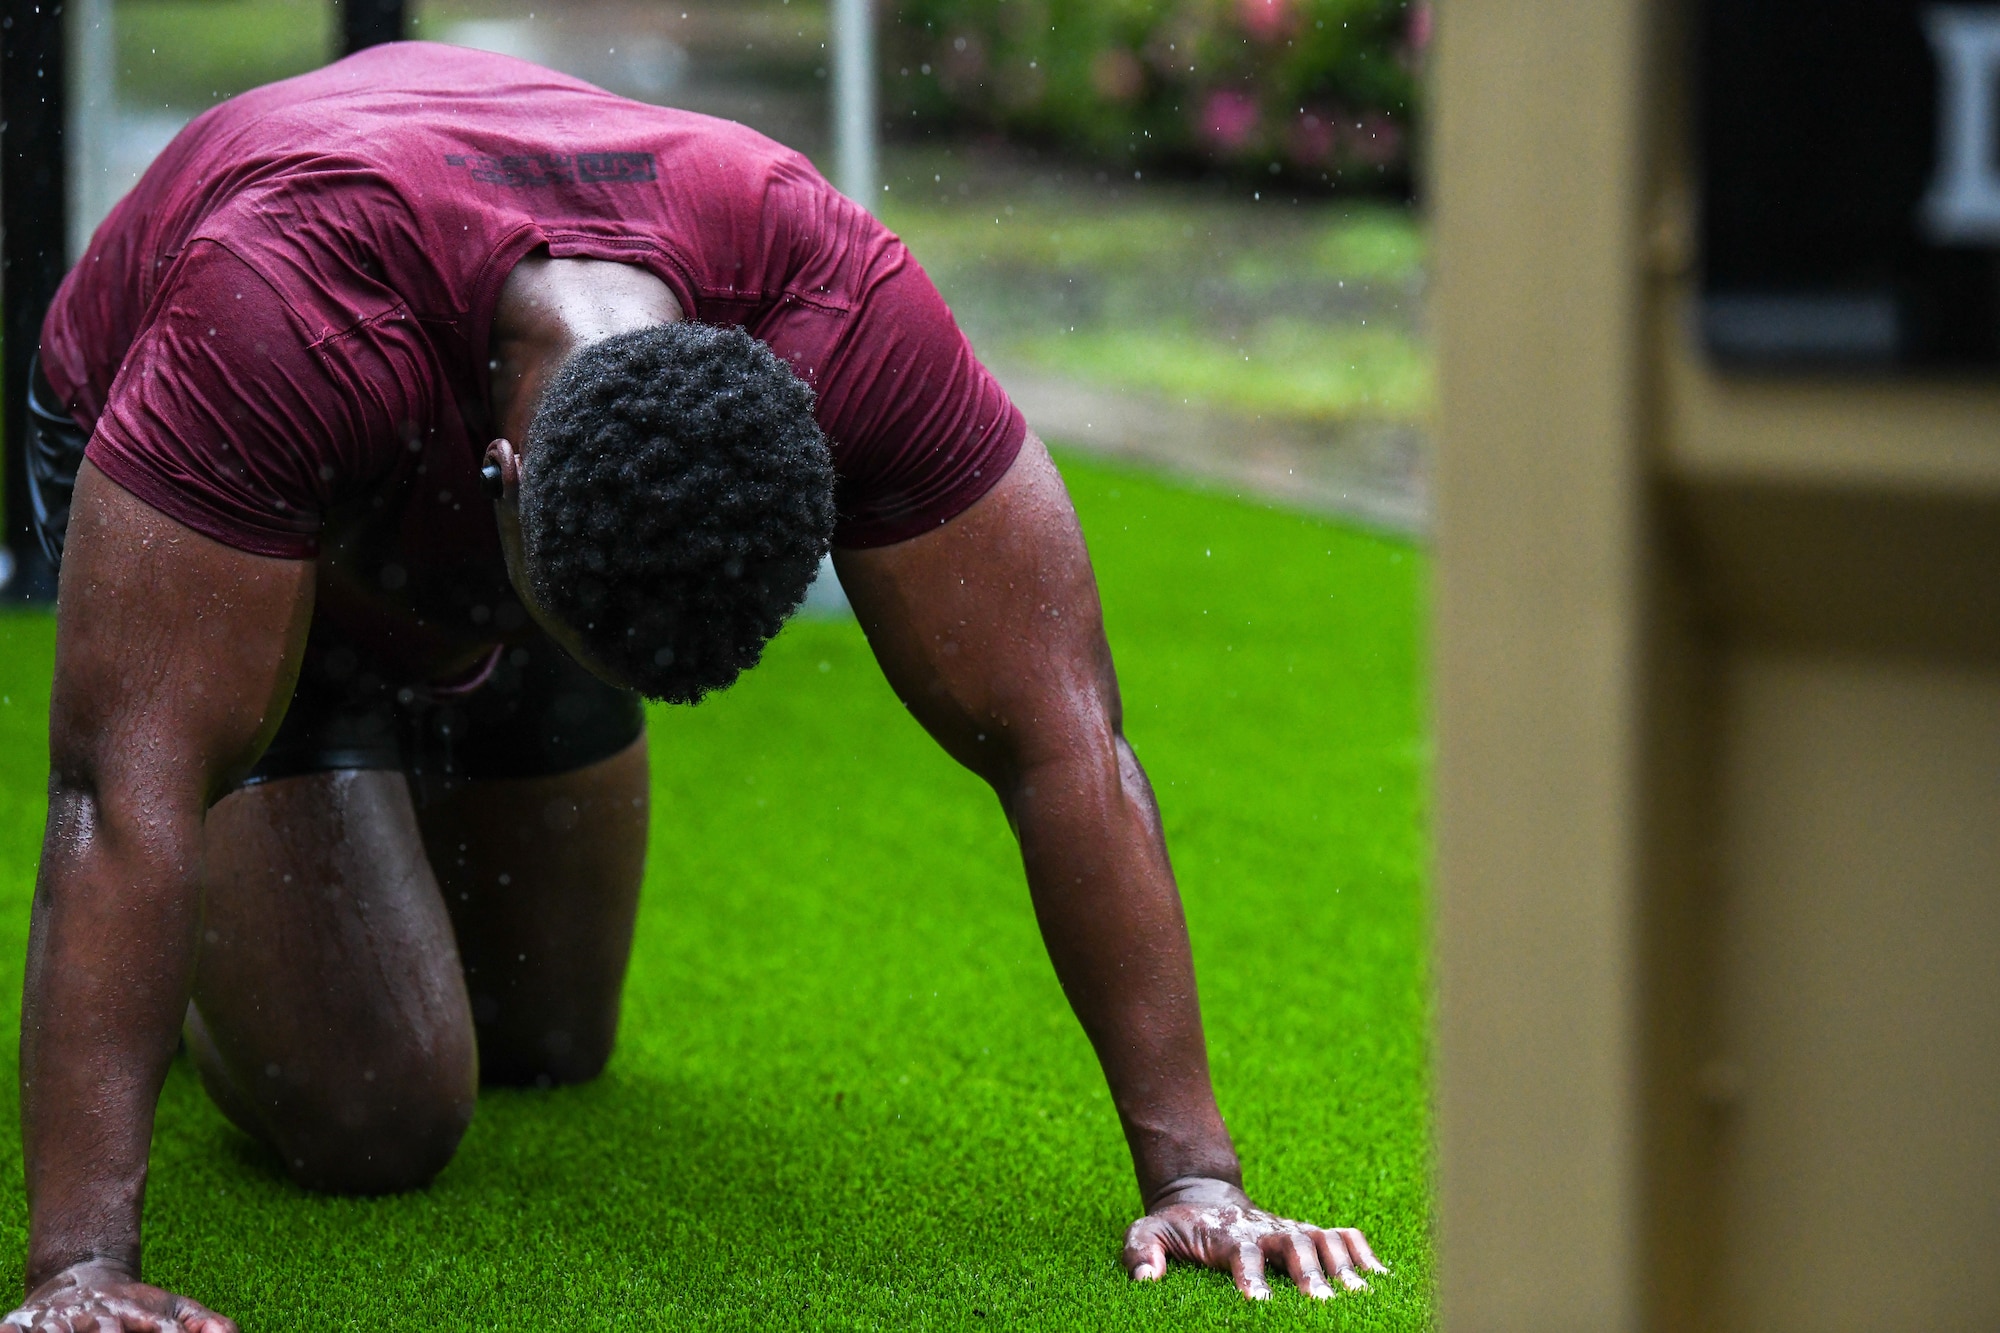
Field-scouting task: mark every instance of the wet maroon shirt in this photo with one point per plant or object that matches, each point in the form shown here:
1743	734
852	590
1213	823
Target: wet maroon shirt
279	338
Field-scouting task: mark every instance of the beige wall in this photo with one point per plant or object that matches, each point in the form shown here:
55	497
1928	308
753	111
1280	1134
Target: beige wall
1857	1064
1717	695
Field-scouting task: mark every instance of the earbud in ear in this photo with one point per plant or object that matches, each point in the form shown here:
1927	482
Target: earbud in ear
490	481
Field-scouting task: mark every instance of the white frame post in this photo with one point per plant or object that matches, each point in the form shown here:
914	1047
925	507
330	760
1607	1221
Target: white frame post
855	128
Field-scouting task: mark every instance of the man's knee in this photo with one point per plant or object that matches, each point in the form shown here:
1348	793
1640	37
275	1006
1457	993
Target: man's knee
379	1133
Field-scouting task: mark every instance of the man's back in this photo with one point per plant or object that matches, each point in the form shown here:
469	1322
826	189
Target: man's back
413	175
289	319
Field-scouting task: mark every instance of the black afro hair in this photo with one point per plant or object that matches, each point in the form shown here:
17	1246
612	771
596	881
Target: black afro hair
676	502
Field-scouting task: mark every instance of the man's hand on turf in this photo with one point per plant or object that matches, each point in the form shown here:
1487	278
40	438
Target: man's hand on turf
99	1297
1214	1224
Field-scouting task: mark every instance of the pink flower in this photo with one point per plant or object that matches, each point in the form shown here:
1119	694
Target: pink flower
1229	119
1312	140
1266	20
1375	140
1420	26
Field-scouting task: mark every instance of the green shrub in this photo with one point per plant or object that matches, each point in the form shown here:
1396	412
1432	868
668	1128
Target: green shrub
1320	90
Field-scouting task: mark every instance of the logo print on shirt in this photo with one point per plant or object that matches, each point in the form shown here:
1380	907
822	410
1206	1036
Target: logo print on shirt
523	171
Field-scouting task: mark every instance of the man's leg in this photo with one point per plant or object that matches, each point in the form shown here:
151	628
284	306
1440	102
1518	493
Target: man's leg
541	876
330	1016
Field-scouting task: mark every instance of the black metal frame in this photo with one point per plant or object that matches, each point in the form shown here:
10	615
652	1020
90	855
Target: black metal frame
366	23
34	242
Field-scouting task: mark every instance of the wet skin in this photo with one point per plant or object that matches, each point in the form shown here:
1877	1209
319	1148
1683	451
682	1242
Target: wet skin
348	962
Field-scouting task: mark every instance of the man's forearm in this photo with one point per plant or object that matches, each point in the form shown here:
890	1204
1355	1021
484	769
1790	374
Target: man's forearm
1111	917
110	963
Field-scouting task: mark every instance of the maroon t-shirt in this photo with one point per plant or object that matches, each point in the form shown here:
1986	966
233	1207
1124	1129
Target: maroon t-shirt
280	336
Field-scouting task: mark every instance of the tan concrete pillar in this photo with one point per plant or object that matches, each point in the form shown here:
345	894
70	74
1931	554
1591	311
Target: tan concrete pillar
1536	187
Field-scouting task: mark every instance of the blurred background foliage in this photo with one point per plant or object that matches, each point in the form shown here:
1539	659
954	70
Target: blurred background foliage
189	54
1178	292
1177	229
1318	91
1321	90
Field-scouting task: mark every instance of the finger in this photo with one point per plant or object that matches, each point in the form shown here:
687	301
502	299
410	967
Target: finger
1247	1267
1295	1250
198	1318
145	1321
208	1321
99	1317
1357	1245
1339	1260
1146	1250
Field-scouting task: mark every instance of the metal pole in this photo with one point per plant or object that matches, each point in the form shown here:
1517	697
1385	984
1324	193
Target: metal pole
93	110
854	118
366	23
33	247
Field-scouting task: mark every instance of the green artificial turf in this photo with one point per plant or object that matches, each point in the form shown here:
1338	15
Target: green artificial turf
848	1092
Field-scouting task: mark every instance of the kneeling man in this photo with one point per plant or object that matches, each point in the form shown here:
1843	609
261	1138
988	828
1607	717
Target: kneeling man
407	424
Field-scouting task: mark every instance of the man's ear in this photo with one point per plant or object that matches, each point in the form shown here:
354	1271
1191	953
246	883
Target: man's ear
501	476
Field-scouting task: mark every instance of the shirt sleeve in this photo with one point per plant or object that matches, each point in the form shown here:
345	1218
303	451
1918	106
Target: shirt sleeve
920	430
247	421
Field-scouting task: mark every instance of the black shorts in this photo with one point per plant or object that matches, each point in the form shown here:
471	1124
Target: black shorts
530	712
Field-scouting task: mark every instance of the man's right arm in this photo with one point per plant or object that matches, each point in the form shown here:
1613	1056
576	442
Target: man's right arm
175	656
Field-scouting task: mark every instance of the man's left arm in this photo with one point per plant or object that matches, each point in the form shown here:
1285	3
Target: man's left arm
990	631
